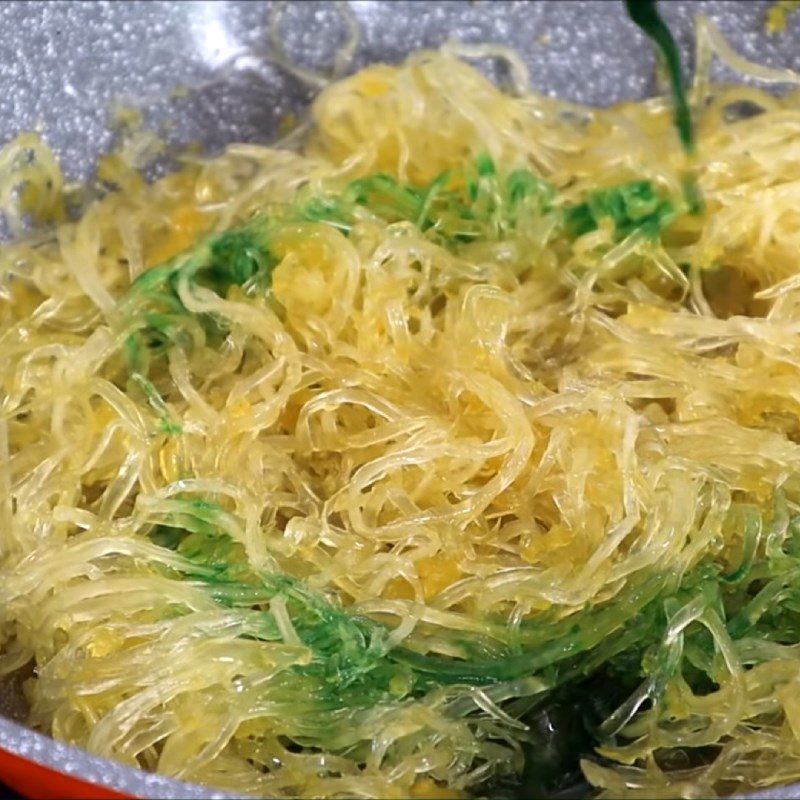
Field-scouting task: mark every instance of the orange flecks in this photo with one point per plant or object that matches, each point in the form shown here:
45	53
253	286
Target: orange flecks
437	573
113	169
19	300
186	223
291	411
171	461
557	538
239	408
375	81
104	414
778	14
41	204
398	589
302	242
302	281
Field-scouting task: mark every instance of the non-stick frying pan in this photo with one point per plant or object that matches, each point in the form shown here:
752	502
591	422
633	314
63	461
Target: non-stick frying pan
63	65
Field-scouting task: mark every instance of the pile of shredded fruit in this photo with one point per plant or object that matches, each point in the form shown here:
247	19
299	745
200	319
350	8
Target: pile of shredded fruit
453	452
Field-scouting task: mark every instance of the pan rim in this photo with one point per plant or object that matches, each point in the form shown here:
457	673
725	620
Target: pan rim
66	759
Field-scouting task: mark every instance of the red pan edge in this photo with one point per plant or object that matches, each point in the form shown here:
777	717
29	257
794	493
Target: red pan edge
37	782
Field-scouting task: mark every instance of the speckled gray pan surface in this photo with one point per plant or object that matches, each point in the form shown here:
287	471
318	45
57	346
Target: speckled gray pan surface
64	64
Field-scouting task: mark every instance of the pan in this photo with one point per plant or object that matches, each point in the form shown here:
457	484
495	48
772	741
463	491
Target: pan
65	65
